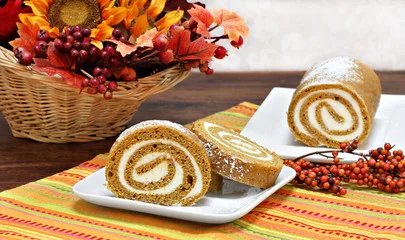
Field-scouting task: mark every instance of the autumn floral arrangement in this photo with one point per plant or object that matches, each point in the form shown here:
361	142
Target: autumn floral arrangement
93	45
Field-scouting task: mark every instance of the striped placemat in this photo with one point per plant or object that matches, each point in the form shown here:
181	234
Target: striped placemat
47	209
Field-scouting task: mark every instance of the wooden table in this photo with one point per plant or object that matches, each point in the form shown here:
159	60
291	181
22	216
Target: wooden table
23	160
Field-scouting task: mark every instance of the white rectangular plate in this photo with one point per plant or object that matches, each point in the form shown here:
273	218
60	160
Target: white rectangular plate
269	127
233	202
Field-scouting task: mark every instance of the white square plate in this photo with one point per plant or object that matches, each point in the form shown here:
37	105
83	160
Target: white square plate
233	202
269	127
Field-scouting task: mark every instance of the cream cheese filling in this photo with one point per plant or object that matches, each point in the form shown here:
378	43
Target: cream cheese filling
155	174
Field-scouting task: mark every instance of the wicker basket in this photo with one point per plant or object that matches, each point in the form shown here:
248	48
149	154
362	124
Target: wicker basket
45	109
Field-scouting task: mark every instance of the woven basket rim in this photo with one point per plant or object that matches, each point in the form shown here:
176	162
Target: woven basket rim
125	89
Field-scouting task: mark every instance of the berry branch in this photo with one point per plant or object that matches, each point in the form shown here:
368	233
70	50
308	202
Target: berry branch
382	168
347	147
216	39
213	28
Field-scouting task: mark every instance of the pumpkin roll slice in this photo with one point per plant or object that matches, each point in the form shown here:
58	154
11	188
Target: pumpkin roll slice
159	162
335	102
216	182
238	158
216	179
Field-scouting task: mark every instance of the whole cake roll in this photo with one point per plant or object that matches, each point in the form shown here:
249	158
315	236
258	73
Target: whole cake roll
335	102
159	162
238	158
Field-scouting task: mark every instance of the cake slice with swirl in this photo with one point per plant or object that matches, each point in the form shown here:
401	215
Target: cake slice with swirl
335	102
159	162
238	158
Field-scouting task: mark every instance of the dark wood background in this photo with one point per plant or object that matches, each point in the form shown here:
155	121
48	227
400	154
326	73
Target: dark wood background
24	160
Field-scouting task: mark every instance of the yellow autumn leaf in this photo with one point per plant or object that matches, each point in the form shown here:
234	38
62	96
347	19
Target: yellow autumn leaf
28	19
104	30
105	3
118	13
140	26
169	19
141	3
39	7
132	12
156	7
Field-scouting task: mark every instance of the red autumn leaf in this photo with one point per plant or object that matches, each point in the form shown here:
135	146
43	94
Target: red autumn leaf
182	5
57	59
27	37
204	19
234	25
58	64
184	49
117	70
9	11
124	49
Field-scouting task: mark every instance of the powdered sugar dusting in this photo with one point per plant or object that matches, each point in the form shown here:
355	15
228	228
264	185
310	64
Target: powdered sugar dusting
218	158
237	143
336	69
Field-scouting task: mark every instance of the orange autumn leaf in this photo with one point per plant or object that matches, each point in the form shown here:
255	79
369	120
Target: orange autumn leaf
27	38
124	49
234	25
184	49
204	19
146	40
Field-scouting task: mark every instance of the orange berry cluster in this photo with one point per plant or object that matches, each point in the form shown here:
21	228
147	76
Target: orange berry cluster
382	168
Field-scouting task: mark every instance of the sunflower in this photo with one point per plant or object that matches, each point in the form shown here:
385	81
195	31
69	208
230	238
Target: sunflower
136	16
54	15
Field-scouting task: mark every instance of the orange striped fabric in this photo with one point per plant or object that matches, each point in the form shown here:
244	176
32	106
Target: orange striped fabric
47	209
